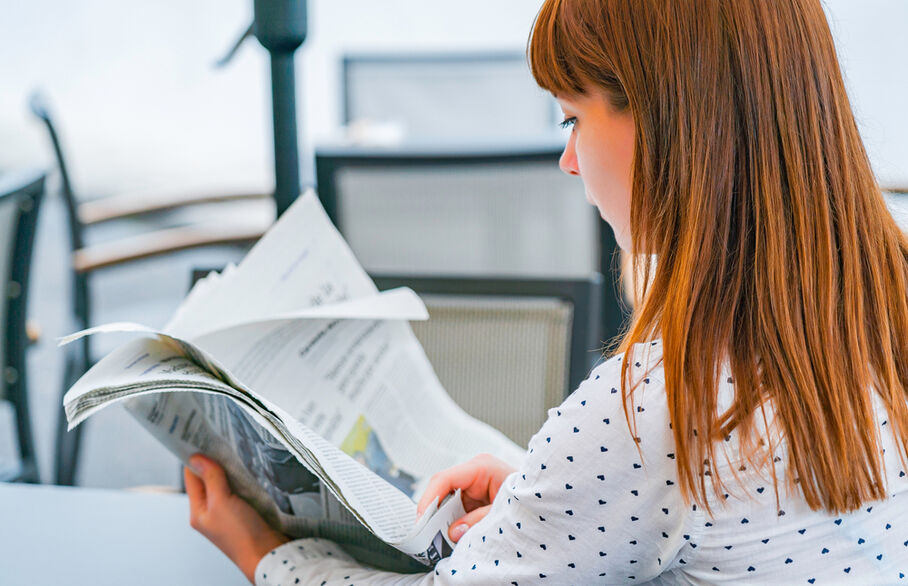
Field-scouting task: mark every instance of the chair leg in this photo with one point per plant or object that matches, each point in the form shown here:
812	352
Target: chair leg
67	442
67	452
29	473
27	468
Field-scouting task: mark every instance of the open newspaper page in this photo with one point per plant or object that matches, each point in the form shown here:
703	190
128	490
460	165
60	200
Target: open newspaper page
365	386
301	262
358	401
267	456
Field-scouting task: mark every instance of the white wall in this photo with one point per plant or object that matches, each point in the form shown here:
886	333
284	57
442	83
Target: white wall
140	105
870	37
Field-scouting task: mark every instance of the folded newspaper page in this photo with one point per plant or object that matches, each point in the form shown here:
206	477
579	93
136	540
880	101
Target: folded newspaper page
309	387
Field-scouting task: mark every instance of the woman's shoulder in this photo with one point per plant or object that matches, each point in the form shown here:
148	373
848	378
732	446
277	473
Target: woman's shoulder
598	414
592	469
646	381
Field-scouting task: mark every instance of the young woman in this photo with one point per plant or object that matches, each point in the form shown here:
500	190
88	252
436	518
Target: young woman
754	426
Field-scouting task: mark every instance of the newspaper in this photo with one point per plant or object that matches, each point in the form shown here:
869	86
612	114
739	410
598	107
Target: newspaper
310	389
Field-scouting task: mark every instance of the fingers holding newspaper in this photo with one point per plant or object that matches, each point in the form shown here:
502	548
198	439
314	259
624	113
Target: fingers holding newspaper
479	480
225	519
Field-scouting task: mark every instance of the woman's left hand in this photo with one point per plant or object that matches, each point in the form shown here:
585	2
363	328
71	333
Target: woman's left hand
225	519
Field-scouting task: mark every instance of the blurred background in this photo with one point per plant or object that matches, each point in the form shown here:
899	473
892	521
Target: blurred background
141	107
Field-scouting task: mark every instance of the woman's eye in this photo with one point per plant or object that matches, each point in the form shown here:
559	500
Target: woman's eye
568	122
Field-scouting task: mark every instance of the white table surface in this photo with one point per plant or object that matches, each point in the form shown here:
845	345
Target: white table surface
52	535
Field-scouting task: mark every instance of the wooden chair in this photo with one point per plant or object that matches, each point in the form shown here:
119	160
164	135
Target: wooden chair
88	259
20	200
85	214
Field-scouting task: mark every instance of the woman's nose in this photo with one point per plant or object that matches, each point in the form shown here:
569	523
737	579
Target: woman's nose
568	161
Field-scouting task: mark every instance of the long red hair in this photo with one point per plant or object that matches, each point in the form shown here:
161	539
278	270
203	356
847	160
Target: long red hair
776	255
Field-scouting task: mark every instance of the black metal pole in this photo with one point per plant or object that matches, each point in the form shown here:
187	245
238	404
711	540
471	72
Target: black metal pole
280	26
286	149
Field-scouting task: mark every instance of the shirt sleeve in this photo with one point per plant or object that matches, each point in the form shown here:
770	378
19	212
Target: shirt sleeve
584	506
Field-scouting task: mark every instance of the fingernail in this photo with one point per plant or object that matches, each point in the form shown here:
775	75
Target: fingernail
197	463
458	531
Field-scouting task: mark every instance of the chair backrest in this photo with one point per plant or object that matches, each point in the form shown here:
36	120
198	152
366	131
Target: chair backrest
20	199
507	350
38	106
448	96
457	210
81	302
501	211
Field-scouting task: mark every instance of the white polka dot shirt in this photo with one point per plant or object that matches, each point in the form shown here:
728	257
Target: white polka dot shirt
586	508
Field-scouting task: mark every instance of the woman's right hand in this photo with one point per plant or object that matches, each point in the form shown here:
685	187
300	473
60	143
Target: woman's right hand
479	481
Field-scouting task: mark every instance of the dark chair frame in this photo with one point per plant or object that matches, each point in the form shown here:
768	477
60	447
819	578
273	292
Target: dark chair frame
30	186
584	295
87	259
330	160
350	61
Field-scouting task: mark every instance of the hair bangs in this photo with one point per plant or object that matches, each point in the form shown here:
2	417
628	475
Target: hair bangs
551	55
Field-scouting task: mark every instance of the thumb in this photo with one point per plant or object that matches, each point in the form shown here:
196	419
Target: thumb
460	526
213	476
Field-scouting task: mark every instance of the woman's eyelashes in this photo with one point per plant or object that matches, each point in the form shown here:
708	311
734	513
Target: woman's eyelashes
568	122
